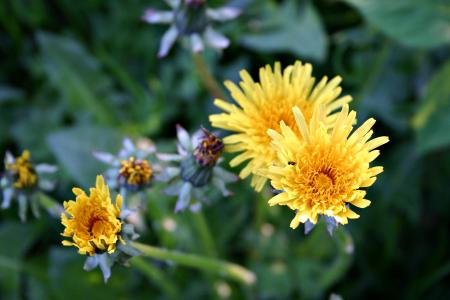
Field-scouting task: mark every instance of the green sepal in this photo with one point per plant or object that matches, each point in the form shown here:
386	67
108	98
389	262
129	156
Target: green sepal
192	172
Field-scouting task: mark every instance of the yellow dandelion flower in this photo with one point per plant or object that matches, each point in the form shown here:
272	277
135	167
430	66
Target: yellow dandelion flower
262	105
23	171
93	221
135	171
323	171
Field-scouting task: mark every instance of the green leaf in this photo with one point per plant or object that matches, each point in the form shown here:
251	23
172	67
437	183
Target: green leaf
9	94
67	277
407	172
16	240
73	148
413	23
432	120
76	75
325	260
289	28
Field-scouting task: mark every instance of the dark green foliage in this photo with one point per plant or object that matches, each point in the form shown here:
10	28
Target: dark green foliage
78	76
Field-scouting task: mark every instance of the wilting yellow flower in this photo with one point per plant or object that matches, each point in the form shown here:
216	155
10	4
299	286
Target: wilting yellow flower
92	221
208	150
136	171
24	171
262	105
323	171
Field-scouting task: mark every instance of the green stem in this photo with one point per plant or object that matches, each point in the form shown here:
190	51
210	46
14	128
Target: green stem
230	270
208	247
206	240
206	76
155	276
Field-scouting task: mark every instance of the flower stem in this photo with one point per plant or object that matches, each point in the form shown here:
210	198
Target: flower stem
206	240
232	271
155	275
208	79
207	245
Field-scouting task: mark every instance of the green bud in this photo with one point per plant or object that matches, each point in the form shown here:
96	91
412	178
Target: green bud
191	17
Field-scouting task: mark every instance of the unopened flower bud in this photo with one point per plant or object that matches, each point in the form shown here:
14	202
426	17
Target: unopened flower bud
208	150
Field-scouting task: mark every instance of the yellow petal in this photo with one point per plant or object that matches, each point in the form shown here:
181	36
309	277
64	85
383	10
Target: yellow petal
279	199
361	203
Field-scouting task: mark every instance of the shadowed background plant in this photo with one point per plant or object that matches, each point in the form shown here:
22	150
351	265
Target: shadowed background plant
78	77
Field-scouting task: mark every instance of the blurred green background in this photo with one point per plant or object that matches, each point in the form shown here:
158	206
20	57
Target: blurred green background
79	75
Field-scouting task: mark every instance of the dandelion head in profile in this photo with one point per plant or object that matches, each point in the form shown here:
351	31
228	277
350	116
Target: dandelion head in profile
192	21
321	171
263	105
92	222
133	169
208	150
136	172
24	181
195	2
198	167
198	170
23	171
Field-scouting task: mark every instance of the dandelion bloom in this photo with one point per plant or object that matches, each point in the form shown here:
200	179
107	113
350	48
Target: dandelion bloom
23	171
322	171
262	105
93	222
136	172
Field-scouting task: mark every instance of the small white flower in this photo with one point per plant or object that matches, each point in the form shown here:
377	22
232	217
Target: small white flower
191	20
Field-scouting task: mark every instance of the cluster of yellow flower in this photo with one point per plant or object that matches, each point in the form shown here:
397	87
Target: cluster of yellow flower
298	135
93	222
23	170
293	132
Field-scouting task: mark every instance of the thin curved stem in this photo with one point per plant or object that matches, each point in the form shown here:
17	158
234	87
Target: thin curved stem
155	275
206	76
206	239
230	270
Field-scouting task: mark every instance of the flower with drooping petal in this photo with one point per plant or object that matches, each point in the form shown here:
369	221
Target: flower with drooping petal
192	20
198	171
320	172
93	221
95	226
23	181
262	105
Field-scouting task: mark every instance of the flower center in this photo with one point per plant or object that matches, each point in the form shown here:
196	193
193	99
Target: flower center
324	181
135	171
208	150
97	227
